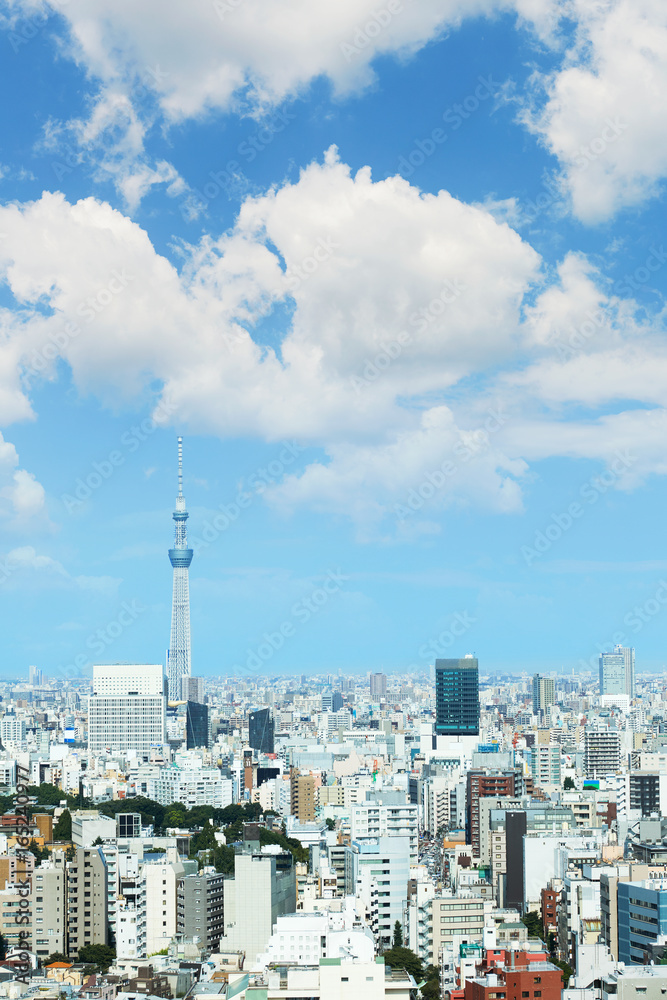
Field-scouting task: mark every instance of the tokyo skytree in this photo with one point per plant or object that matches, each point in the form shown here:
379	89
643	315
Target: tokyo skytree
178	656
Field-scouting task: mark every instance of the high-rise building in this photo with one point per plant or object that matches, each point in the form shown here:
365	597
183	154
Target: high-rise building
195	690
178	656
87	890
545	765
332	701
377	870
302	797
36	677
161	891
200	908
197	728
602	752
544	693
379	687
642	919
12	729
648	792
48	907
261	729
629	656
482	784
612	672
130	907
386	814
126	710
262	889
457	697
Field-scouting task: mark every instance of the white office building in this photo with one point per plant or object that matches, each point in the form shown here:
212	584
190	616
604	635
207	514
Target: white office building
386	814
127	708
161	893
12	729
377	870
304	938
192	786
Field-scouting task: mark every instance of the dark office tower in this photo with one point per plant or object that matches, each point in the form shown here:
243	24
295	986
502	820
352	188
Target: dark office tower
379	687
197	731
457	697
260	730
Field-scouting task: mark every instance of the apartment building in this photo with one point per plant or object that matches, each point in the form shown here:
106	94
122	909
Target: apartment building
87	899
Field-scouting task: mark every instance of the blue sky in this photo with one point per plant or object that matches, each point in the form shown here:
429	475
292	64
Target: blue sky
394	271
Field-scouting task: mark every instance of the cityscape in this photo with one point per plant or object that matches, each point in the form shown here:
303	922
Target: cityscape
333	586
174	835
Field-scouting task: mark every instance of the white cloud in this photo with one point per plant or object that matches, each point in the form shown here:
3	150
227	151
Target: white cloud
22	497
155	63
408	321
24	564
604	116
208	54
361	262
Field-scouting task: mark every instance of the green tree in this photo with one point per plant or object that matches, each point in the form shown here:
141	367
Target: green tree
566	971
223	859
568	784
41	853
295	847
404	958
431	989
98	842
204	840
56	956
101	956
63	828
331	823
533	922
46	794
398	935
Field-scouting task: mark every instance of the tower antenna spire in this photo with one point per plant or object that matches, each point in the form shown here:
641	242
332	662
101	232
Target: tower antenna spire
180	466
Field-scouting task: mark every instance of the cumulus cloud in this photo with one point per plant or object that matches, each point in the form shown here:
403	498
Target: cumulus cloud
155	64
213	53
604	116
22	497
416	331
